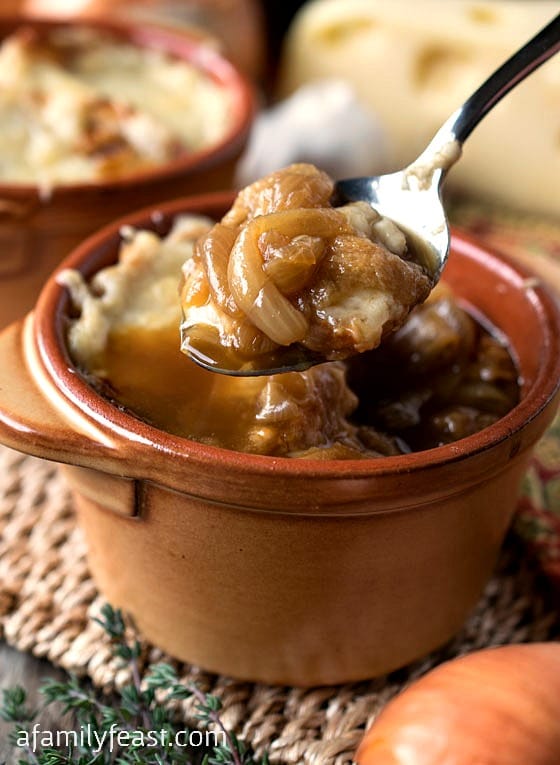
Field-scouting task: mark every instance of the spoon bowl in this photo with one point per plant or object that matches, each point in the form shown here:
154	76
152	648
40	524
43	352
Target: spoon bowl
411	198
417	211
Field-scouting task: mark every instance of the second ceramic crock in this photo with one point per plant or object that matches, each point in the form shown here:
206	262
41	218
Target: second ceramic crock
286	571
38	229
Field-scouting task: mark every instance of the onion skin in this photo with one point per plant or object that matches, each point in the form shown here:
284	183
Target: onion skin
499	706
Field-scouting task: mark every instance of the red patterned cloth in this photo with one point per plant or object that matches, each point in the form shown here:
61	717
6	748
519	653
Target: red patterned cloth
538	513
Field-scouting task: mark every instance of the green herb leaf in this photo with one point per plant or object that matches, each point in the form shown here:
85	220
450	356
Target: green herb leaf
137	710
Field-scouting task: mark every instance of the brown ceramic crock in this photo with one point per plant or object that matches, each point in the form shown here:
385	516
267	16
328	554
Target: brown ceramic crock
285	571
238	25
38	230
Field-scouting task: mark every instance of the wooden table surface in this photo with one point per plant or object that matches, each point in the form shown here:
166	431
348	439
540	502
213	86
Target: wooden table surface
23	669
18	668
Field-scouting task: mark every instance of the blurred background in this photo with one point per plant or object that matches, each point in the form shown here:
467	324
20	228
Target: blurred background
368	83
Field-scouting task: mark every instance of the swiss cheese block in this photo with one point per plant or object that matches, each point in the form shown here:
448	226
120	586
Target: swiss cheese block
414	63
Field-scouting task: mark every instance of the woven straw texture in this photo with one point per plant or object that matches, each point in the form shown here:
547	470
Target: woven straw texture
47	598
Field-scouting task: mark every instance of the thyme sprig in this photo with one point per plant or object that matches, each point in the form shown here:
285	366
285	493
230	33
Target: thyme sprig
137	725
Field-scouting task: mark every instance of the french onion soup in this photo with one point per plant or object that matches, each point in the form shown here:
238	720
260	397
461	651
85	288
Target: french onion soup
285	269
440	377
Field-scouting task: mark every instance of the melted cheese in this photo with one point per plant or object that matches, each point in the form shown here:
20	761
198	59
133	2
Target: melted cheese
127	336
79	106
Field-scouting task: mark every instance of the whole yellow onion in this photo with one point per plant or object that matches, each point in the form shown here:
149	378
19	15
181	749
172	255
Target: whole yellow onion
499	706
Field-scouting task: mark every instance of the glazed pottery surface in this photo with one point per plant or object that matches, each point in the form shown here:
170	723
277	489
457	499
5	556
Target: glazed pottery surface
37	230
238	25
286	571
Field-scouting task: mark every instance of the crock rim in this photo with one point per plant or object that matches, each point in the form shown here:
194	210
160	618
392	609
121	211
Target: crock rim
48	333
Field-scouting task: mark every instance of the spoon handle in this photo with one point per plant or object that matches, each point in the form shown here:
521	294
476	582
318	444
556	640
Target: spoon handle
534	53
445	147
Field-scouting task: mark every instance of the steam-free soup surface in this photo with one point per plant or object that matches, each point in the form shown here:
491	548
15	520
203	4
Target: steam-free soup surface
441	377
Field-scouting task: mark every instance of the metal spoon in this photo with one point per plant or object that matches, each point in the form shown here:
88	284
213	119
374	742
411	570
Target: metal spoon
410	197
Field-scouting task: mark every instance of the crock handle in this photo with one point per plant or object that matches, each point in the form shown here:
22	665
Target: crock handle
30	424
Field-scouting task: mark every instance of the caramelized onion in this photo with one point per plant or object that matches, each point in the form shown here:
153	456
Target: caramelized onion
214	251
291	266
258	297
252	288
295	187
305	273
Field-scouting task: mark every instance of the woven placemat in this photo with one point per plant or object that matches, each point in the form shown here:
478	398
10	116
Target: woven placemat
47	601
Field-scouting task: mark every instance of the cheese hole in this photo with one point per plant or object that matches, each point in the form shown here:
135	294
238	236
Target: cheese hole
439	67
342	30
482	14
